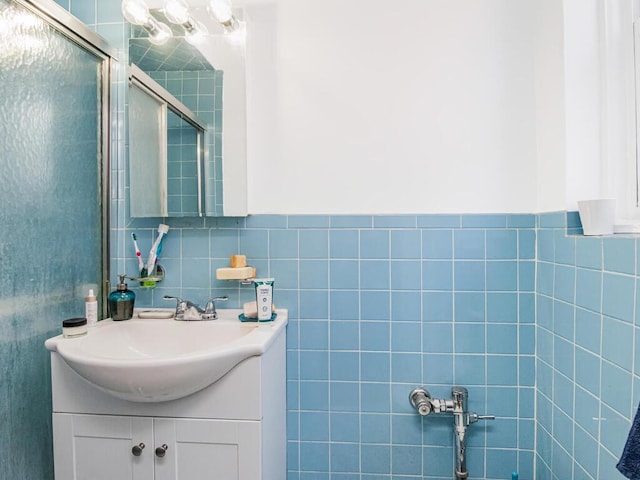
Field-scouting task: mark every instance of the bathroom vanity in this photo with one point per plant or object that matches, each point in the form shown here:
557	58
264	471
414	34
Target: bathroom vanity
235	428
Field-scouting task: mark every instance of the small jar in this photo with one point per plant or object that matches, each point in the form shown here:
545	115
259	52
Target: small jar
74	327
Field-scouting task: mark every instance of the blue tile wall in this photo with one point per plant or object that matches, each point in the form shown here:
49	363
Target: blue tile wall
379	305
587	379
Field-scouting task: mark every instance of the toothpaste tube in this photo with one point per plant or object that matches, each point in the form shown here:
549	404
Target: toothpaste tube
264	298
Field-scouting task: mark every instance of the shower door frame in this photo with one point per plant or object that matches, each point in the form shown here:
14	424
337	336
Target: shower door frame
79	33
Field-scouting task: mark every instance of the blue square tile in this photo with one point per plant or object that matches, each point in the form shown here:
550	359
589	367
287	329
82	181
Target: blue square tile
344	396
314	243
314	274
589	252
406	306
617	342
344	366
586	411
344	305
437	306
546	272
527	340
469	275
314	335
343	274
437	275
437	338
406	244
85	11
526	276
253	243
314	456
344	335
502	338
484	221
564	283
469	338
502	370
406	460
377	397
588	327
343	244
345	427
526	244
374	305
502	307
470	370
406	337
407	429
618	296
469	244
545	240
588	288
502	275
314	365
266	221
405	275
375	336
437	244
285	273
437	369
345	457
502	244
374	274
376	459
503	400
521	220
563	356
375	366
406	367
469	306
587	371
314	304
374	244
552	220
314	426
565	248
283	244
620	255
314	395
437	461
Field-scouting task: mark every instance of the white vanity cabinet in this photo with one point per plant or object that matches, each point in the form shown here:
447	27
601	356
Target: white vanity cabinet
235	429
96	447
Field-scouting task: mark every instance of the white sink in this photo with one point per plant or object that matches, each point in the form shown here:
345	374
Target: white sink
157	360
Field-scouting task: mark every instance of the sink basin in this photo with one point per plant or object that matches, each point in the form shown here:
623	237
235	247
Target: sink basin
158	360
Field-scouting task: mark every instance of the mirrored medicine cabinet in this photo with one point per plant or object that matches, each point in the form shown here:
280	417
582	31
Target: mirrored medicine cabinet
187	126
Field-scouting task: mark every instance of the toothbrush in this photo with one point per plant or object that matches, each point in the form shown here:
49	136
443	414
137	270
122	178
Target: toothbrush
153	253
139	255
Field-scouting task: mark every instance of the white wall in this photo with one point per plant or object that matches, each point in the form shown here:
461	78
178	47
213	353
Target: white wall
412	106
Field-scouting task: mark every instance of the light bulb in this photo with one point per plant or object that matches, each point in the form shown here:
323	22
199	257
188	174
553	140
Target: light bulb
159	34
176	11
221	9
135	11
196	33
238	35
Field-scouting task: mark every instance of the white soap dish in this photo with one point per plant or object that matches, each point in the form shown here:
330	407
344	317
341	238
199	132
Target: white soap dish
155	314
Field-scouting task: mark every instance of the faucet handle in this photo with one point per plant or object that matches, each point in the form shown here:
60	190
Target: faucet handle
210	309
474	417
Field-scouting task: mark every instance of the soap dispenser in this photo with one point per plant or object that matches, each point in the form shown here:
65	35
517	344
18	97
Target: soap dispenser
121	301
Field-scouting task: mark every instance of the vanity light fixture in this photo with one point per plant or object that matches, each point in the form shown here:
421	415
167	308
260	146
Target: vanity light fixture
177	11
137	12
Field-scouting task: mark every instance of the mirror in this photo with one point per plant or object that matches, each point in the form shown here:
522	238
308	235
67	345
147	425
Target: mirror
204	172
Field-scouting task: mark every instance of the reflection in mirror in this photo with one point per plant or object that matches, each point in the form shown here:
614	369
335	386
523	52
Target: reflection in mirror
187	72
166	152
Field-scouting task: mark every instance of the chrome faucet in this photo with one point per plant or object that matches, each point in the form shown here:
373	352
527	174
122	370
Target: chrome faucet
206	313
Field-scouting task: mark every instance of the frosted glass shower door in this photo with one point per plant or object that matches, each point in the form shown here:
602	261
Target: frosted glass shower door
53	128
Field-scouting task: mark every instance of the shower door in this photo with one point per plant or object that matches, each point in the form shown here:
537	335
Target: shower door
54	90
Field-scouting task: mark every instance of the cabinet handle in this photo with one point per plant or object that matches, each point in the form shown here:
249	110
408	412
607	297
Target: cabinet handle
160	451
137	449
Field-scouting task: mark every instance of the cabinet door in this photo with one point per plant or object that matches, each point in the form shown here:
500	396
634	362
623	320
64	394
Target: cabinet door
97	447
208	449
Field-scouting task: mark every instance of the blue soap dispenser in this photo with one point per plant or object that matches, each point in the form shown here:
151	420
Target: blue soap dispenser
121	301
